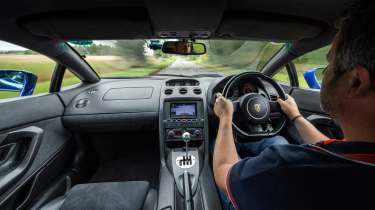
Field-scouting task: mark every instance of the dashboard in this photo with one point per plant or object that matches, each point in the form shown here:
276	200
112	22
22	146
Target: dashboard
135	104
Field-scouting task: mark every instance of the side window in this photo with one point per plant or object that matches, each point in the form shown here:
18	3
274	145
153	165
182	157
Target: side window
23	72
282	76
312	64
69	79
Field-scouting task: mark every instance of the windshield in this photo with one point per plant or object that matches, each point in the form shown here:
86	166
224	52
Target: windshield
135	58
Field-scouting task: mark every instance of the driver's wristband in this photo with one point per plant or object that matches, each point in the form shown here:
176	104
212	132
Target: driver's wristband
295	118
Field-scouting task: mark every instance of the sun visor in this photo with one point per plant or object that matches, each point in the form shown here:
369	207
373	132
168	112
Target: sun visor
268	27
111	24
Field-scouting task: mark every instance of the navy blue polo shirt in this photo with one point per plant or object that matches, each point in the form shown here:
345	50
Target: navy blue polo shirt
302	177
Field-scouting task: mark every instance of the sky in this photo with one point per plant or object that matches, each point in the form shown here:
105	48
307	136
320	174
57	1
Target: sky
5	46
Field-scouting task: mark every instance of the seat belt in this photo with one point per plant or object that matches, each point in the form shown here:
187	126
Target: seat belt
340	156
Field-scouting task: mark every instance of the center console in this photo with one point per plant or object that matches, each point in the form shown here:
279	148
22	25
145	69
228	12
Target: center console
183	116
186	180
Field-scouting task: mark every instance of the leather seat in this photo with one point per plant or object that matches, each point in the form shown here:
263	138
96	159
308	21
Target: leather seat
133	195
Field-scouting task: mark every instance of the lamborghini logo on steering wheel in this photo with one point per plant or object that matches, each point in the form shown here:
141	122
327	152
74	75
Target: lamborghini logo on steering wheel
257	107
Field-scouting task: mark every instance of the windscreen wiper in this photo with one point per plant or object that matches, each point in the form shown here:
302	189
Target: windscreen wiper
208	75
170	75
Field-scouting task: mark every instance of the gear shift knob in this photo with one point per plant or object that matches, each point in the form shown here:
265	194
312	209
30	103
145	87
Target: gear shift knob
186	137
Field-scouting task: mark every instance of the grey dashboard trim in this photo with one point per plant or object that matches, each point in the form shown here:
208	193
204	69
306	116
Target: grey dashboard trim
128	93
31	109
120	101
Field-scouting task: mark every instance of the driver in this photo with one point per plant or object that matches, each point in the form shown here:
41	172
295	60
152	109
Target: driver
183	47
348	95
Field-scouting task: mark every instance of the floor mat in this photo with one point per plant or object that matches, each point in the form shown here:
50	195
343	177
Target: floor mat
126	157
127	169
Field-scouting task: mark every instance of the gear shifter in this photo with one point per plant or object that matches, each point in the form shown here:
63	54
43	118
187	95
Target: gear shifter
186	137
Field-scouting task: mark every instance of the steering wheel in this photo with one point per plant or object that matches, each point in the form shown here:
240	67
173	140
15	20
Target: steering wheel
256	116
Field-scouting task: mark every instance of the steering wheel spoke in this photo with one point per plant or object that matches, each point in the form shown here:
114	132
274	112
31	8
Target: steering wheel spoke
236	105
257	128
275	110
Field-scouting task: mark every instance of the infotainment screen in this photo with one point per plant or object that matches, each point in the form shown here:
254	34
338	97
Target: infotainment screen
183	110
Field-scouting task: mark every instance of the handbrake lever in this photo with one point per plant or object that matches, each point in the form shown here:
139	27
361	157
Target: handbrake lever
187	192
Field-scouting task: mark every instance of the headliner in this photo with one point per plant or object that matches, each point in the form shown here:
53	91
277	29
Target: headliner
42	25
286	20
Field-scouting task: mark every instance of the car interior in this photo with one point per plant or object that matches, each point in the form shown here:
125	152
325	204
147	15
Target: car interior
146	142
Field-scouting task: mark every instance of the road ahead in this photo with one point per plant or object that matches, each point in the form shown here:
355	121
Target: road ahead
184	67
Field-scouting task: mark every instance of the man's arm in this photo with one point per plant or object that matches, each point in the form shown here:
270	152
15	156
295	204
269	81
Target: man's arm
307	131
225	153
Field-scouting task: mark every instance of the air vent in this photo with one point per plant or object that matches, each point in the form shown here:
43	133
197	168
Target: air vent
82	103
168	91
273	97
183	91
182	82
197	91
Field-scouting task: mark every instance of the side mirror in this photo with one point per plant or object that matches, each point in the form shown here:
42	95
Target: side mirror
155	44
183	48
18	81
314	77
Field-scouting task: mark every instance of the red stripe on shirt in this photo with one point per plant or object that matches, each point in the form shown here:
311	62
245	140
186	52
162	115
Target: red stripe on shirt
329	141
368	158
364	157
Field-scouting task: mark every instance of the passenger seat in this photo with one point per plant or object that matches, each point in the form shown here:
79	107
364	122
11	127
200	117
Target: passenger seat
132	195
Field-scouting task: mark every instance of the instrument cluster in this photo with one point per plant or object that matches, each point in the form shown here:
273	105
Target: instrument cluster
242	89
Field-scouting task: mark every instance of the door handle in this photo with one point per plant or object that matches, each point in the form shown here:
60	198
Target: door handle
17	152
8	154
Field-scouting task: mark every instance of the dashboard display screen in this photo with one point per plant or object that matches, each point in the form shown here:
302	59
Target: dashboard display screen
181	110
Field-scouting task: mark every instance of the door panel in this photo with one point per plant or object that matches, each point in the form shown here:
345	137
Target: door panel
32	138
308	102
23	110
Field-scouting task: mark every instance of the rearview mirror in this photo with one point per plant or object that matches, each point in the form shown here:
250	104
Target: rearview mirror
18	81
314	77
184	48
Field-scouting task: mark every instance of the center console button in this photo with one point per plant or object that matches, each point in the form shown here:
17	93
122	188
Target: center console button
197	133
171	133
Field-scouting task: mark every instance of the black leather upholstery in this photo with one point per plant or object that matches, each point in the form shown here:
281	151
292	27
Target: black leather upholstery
134	195
54	204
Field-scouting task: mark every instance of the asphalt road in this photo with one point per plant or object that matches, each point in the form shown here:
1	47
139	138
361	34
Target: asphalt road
184	67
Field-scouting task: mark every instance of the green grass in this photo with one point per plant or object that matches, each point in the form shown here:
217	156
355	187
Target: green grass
282	76
106	66
215	67
8	94
139	71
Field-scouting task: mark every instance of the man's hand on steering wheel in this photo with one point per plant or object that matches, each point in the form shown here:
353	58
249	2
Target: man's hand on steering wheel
223	108
289	107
